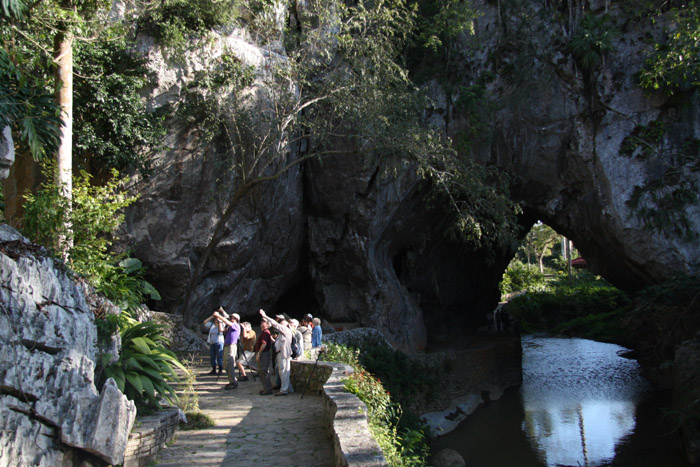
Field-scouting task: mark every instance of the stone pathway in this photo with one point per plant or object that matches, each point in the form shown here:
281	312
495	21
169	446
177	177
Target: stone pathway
251	429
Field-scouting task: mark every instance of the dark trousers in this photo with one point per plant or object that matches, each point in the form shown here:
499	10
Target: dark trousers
216	355
264	370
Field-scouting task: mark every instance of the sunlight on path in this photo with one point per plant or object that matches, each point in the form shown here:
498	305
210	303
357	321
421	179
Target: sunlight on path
252	429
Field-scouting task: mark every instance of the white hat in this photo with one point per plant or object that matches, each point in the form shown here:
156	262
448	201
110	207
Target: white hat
236	316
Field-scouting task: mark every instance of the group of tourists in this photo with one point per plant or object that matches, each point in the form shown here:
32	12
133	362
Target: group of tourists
281	340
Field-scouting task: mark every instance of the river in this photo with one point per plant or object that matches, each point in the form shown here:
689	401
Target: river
581	403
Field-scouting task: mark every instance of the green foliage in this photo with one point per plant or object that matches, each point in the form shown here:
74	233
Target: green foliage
603	327
174	23
674	65
107	326
482	212
402	445
113	128
406	378
145	366
124	284
593	41
342	354
644	140
14	8
474	103
27	107
94	215
563	301
519	276
440	22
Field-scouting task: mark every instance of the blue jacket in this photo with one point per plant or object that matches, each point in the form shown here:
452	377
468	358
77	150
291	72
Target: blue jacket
316	336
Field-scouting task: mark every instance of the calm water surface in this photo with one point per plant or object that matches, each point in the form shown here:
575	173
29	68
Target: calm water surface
581	404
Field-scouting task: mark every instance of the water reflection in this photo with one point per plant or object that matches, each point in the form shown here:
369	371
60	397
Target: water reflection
580	404
579	399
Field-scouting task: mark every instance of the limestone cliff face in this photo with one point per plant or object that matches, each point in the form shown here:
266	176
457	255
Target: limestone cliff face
51	414
588	151
340	239
345	241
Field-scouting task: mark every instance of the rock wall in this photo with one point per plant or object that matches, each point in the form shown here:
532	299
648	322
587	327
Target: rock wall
588	151
366	250
369	249
51	414
344	240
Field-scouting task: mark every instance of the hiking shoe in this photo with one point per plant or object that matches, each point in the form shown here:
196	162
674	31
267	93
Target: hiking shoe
265	393
281	393
231	386
212	372
221	371
243	378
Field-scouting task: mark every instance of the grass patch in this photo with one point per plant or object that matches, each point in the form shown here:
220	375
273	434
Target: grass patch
588	307
197	421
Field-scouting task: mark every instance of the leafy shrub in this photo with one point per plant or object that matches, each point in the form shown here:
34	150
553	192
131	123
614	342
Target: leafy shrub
113	128
175	22
674	66
593	41
124	285
407	379
519	277
93	216
342	354
90	218
402	445
145	366
26	103
563	301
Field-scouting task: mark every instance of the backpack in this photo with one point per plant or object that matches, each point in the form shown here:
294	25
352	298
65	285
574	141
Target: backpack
296	350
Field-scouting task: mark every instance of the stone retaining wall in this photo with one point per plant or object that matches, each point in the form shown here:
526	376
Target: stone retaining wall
148	437
346	414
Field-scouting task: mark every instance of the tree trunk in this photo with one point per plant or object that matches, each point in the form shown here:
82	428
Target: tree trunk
540	260
63	49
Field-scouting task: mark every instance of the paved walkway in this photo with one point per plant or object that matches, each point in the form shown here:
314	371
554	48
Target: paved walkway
251	429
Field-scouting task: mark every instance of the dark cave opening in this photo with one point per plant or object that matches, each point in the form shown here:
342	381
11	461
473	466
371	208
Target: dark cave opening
298	299
399	263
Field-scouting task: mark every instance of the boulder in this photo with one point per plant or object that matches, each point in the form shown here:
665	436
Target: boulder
448	458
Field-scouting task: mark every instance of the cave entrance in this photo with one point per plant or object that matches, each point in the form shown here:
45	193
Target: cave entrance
298	299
